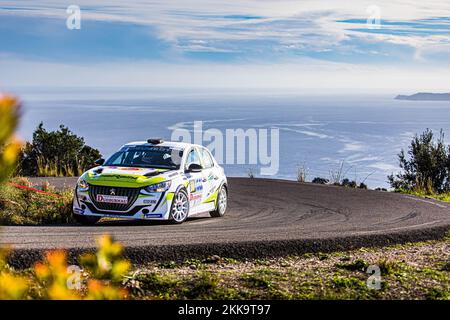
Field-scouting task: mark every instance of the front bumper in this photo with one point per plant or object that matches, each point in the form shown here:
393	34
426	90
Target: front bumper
154	206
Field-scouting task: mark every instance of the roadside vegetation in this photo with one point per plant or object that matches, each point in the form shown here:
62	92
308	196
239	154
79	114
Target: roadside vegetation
99	275
336	177
23	206
425	168
410	271
28	207
9	144
56	153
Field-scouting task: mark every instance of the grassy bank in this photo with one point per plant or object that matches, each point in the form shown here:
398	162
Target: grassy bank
411	271
445	196
26	207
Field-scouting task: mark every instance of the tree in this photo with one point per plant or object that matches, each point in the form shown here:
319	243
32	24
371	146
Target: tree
427	168
320	180
56	153
9	145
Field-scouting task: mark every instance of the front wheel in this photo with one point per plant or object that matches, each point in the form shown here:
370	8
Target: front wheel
222	202
86	220
180	207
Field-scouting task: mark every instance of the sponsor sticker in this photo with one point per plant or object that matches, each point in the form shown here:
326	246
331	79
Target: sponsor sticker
153	215
194	196
196	185
195	199
112	199
130	169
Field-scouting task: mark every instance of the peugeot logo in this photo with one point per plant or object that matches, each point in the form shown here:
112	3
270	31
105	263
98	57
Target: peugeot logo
112	192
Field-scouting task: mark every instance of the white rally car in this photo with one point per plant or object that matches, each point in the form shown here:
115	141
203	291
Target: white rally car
154	180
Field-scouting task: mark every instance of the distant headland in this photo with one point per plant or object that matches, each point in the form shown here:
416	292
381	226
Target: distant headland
425	96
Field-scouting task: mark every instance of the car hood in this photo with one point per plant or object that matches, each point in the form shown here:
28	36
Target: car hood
130	177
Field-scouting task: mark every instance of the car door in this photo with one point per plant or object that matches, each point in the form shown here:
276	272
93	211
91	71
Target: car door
195	179
210	179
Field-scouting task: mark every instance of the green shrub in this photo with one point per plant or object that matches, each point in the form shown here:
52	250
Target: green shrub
24	207
257	280
446	266
357	265
388	267
320	180
348	183
437	294
427	169
348	283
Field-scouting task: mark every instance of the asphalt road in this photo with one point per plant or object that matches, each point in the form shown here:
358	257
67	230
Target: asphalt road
265	218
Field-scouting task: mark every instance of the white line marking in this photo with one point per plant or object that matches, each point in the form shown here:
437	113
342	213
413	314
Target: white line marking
427	201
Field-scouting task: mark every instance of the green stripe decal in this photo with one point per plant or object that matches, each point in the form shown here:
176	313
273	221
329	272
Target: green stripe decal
212	197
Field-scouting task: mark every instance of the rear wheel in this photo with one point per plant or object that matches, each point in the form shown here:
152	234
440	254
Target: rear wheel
86	220
180	207
222	203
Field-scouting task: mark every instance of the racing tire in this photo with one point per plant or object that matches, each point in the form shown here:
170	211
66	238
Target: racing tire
179	210
222	203
86	220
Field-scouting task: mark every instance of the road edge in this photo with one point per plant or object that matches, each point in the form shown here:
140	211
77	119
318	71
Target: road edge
25	258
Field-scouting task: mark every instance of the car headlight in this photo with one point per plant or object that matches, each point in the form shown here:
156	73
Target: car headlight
83	185
158	187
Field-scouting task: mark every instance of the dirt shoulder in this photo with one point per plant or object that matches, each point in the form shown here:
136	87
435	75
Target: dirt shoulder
409	271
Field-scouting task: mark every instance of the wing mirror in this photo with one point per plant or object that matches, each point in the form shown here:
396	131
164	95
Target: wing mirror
194	167
99	162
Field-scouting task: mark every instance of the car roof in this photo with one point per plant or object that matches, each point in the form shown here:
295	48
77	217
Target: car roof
172	144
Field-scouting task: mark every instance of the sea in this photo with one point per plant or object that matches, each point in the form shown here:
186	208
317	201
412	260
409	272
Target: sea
319	135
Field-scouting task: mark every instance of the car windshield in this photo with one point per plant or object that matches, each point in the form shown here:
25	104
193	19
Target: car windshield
147	157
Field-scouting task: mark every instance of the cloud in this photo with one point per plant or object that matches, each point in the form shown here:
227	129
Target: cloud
296	27
222	43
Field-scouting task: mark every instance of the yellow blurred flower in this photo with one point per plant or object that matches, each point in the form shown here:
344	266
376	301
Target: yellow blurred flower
12	287
9	145
108	262
42	271
99	291
54	276
105	271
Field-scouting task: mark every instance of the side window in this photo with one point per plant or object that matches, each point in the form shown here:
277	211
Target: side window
193	157
207	160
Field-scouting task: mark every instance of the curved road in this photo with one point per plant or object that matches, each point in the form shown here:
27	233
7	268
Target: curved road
265	218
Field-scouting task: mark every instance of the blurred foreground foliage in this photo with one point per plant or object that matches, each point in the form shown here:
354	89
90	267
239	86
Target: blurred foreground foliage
99	276
9	144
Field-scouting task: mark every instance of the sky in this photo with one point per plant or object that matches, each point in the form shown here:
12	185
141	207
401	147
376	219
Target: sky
328	46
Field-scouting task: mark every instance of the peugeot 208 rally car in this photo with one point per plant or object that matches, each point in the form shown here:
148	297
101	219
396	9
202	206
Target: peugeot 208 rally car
152	180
